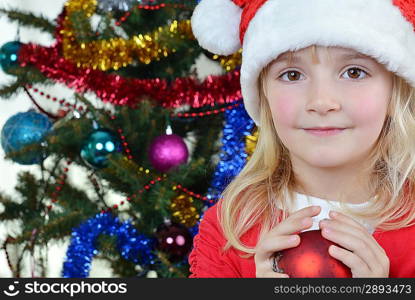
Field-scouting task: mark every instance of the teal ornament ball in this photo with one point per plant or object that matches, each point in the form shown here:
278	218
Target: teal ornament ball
24	129
9	56
98	146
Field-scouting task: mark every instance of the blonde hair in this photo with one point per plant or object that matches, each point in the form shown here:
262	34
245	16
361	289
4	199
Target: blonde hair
263	190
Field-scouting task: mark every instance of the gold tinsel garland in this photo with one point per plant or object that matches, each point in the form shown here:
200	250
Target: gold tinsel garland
118	52
183	210
230	62
250	143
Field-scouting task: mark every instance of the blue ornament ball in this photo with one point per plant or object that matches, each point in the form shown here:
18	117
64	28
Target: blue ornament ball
24	129
9	56
98	146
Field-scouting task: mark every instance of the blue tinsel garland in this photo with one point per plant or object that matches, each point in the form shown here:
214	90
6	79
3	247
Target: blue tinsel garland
233	157
238	125
82	249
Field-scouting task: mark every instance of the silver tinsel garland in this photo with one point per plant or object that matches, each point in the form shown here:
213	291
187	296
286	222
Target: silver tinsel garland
123	5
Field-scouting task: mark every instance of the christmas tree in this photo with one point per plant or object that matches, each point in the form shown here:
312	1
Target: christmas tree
165	140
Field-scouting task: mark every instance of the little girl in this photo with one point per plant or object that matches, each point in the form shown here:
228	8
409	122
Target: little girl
331	88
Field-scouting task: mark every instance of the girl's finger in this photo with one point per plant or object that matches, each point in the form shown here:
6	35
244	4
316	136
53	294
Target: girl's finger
353	261
269	246
348	220
346	228
354	243
296	221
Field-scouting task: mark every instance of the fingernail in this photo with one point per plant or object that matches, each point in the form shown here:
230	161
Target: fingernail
333	214
326	231
333	248
294	238
323	222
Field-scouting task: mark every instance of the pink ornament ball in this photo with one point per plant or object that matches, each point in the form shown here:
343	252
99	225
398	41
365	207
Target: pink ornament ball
167	151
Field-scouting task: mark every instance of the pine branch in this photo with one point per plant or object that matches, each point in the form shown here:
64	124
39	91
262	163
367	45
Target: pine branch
81	26
30	20
25	76
28	188
51	174
8	91
61	225
12	210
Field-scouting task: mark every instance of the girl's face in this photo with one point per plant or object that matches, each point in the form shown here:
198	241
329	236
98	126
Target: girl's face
343	89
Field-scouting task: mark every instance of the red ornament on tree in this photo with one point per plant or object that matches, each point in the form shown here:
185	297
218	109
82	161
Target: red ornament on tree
311	259
174	239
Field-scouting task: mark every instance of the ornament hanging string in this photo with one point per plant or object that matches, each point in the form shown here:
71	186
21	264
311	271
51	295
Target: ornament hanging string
38	106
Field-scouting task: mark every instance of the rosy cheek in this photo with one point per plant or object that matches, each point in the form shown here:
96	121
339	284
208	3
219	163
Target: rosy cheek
283	110
368	110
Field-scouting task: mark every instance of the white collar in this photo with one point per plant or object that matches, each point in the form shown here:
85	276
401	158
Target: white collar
302	201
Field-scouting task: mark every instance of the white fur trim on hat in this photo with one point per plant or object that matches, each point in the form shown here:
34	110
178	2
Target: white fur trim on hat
215	24
376	28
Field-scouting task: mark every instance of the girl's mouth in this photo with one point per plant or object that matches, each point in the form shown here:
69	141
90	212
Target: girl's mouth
325	132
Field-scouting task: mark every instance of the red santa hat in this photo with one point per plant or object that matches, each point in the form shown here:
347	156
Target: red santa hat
382	29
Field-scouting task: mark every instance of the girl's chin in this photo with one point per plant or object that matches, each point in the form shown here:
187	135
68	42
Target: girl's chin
326	160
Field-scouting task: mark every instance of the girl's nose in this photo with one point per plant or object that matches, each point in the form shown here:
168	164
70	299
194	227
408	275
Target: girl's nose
322	98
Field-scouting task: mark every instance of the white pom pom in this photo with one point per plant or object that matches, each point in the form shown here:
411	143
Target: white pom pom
215	24
152	274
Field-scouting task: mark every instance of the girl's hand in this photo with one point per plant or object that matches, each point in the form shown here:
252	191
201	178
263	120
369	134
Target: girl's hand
281	237
359	250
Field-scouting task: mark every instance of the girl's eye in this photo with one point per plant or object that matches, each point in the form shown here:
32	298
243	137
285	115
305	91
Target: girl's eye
291	75
355	73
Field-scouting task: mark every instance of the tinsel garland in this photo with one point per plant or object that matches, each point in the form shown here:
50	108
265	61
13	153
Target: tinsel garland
230	62
132	246
251	142
87	6
183	210
214	90
118	52
233	156
109	5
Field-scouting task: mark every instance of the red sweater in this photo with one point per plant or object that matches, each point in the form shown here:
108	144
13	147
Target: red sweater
207	260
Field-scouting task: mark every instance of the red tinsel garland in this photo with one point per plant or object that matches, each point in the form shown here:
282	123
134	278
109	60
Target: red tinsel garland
215	90
124	91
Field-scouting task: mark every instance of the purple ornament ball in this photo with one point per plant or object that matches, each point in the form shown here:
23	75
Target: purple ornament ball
167	151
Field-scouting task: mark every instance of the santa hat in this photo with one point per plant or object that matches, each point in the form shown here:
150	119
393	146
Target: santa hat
382	29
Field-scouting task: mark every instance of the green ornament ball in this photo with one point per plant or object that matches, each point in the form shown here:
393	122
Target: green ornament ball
98	146
9	56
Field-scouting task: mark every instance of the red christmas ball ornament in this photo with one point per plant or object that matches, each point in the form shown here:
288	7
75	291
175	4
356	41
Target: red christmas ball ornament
174	239
311	259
